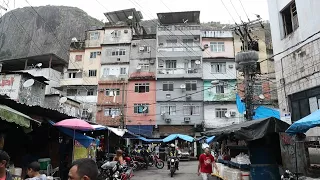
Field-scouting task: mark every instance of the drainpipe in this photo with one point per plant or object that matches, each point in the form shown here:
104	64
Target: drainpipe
0	67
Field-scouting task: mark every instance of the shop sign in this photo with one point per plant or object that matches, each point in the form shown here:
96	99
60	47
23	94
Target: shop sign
9	85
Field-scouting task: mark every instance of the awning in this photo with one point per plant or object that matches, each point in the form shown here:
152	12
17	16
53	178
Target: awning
82	139
265	112
210	139
149	140
250	130
144	130
178	136
14	116
304	124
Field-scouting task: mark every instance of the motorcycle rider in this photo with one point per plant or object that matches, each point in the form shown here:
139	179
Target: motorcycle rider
173	153
145	154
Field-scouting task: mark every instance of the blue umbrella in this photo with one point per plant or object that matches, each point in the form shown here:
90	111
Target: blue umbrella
306	123
178	136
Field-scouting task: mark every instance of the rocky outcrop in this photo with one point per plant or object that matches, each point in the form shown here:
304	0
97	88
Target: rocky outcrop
23	32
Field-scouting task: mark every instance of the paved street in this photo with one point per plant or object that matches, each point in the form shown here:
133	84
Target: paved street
187	171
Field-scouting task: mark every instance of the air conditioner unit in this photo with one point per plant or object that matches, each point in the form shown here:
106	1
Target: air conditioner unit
196	39
99	52
101	90
168	120
188	96
125	31
141	48
230	66
134	44
160	44
152	61
206	46
99	109
232	113
186	119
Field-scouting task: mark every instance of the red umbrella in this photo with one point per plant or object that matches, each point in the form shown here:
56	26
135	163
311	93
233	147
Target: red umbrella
75	124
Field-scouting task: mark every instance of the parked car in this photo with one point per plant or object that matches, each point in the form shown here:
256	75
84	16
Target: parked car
185	155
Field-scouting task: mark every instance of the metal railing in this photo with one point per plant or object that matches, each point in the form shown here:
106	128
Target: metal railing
179	70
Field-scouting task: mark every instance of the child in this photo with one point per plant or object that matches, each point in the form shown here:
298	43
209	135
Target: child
33	172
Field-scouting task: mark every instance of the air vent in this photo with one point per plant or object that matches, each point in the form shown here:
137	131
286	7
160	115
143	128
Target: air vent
125	31
118	59
186	119
134	44
99	52
168	120
230	66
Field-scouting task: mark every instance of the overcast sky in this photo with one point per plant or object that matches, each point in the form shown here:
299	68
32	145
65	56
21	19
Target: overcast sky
211	10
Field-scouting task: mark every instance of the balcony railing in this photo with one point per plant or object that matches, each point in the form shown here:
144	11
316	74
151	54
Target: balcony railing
184	48
179	70
178	28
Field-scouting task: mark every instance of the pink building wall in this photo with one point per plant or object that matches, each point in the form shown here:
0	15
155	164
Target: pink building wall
141	98
228	44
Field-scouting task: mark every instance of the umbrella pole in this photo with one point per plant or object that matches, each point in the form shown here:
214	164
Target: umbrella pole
73	141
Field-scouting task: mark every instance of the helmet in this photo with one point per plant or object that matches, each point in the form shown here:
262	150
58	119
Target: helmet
172	146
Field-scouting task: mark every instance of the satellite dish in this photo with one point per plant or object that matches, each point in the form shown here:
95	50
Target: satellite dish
89	110
39	65
197	62
215	82
74	39
182	86
138	67
261	96
130	17
63	100
227	114
28	83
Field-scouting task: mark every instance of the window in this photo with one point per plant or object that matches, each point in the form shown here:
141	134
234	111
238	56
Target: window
112	92
118	52
141	108
116	33
78	58
123	70
190	109
72	75
144	49
71	92
112	112
171	64
141	87
188	42
171	42
92	73
106	72
290	19
90	92
168	109
167	86
220	89
94	35
93	55
144	67
217	46
257	89
218	67
221	112
191	85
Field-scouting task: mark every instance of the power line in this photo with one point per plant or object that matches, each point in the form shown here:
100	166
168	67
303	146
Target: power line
228	11
244	10
236	11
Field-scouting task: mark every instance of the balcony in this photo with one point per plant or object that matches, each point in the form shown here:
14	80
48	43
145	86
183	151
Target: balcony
71	81
114	78
179	73
179	51
87	99
178	30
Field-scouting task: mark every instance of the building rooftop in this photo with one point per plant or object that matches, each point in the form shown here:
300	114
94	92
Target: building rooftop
186	17
122	15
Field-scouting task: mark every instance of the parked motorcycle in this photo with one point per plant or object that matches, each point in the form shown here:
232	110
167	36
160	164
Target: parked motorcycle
156	161
141	162
114	171
131	163
172	166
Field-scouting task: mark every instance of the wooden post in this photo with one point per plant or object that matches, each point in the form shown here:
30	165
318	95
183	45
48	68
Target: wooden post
50	61
26	64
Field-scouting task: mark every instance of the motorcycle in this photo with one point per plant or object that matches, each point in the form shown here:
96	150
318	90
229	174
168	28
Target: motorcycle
131	163
156	161
140	161
114	171
172	166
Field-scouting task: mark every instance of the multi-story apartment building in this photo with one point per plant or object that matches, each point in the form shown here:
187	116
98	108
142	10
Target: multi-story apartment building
219	79
297	69
265	82
141	98
179	92
82	75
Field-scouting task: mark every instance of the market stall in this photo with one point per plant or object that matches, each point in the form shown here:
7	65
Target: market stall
254	141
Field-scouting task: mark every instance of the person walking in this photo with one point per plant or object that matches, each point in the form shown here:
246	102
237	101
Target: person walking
206	163
4	160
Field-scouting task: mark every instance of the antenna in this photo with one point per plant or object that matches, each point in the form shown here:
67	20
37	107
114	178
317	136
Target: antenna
28	83
63	100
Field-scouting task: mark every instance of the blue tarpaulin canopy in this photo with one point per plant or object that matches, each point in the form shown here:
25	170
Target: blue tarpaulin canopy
210	139
82	139
304	124
150	140
240	105
262	112
178	136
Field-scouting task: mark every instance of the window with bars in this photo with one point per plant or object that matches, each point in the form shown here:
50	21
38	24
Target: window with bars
290	19
191	85
221	112
93	55
217	46
106	72
168	109
171	64
218	67
220	89
189	109
90	92
144	67
141	87
112	112
118	52
123	70
72	75
141	108
116	33
94	35
167	86
112	92
92	73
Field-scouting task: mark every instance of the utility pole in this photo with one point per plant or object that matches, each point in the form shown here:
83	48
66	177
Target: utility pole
247	63
122	122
